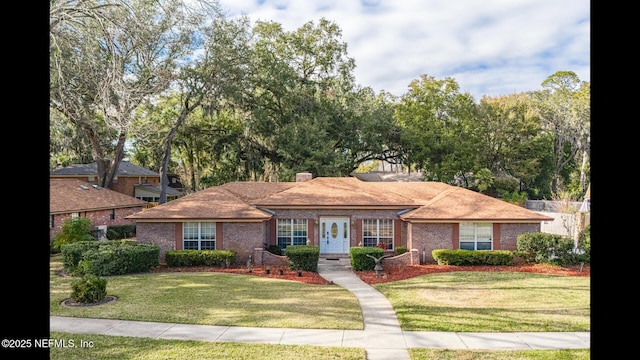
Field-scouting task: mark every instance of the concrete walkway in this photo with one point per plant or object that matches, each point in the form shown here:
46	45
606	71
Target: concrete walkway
380	322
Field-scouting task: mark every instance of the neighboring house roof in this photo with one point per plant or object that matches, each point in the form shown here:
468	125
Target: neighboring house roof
422	201
156	189
72	195
387	176
125	168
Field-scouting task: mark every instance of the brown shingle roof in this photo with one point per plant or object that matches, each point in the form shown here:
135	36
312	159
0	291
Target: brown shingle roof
72	195
336	192
462	204
251	191
214	203
426	201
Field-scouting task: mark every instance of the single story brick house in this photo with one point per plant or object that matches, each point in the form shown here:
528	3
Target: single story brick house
335	213
69	198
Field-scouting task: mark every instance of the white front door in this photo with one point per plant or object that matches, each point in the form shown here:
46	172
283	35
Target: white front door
334	235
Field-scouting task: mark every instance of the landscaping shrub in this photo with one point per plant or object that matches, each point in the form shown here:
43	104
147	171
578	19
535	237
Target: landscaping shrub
359	259
274	249
460	257
109	257
584	245
547	248
303	257
200	257
89	288
401	249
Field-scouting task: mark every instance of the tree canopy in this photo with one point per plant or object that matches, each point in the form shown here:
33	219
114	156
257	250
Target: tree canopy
180	88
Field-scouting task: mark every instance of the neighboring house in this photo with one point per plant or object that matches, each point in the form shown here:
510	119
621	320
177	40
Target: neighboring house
387	176
69	198
335	214
130	179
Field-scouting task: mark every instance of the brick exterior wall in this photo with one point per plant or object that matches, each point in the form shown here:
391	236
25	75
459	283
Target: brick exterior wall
262	257
125	185
239	237
509	234
243	238
428	237
354	215
398	262
161	234
98	217
247	239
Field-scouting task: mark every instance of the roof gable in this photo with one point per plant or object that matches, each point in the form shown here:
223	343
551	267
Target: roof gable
461	204
214	203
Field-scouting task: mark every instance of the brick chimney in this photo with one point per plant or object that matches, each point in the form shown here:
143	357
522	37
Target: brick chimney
304	176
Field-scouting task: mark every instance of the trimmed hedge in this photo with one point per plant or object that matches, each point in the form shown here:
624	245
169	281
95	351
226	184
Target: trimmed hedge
109	257
472	257
359	259
200	257
303	257
275	249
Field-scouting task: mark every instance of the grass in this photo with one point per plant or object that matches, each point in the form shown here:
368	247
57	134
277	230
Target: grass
123	347
103	347
461	301
491	302
212	298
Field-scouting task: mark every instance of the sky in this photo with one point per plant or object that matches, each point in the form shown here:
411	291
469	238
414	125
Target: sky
489	47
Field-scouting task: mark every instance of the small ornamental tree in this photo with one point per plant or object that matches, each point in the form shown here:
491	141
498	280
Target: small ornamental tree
73	230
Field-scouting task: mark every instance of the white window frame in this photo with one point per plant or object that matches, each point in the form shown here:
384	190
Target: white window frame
291	232
376	230
199	236
475	236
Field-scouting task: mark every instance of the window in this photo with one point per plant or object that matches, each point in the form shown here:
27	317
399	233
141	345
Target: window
199	236
112	214
476	236
75	215
291	232
375	231
52	222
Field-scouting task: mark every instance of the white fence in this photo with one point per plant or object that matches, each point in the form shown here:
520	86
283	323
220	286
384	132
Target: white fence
567	220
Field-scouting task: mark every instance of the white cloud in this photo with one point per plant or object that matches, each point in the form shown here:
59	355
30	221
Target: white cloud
491	47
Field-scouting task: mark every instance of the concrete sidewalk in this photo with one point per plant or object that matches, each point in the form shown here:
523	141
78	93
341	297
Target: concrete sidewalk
351	338
380	322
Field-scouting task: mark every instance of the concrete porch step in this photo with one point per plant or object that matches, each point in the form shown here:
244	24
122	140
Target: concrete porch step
334	259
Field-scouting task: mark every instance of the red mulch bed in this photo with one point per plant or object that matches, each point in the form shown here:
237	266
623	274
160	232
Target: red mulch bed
388	275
